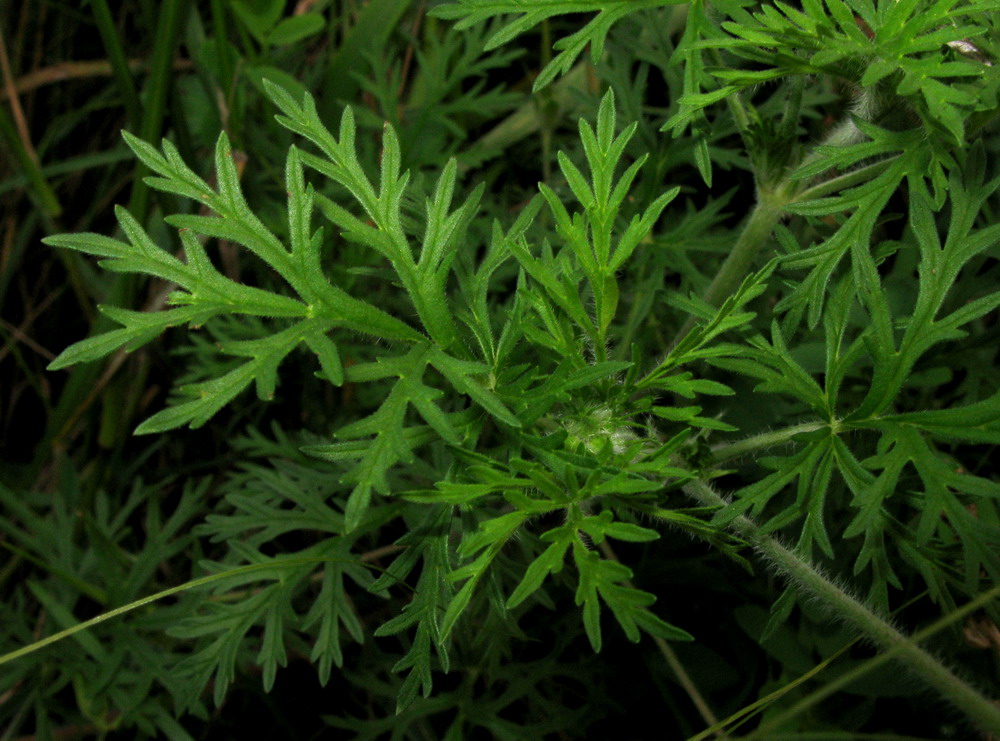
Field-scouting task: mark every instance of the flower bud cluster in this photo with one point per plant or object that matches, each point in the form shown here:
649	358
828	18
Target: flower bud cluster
595	426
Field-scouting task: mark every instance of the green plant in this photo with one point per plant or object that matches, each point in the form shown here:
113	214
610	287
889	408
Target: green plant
517	393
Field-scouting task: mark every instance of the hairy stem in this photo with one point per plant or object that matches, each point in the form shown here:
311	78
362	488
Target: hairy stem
839	183
771	201
728	451
809	579
775	722
738	263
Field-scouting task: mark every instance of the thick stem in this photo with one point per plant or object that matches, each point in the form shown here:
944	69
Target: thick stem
842	182
777	721
737	265
809	579
758	229
771	202
728	451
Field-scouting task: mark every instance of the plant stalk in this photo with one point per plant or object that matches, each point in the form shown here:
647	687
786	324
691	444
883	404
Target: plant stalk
728	451
765	215
809	579
771	200
775	722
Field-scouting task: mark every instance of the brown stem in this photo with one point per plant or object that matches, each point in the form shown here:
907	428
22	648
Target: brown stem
74	71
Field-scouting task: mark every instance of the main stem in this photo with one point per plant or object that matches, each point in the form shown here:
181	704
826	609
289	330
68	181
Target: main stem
772	197
737	265
728	451
809	579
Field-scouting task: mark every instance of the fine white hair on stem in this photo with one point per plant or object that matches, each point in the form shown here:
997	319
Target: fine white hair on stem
808	578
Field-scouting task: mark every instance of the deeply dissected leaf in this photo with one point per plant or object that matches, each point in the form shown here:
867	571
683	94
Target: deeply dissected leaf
530	13
579	369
